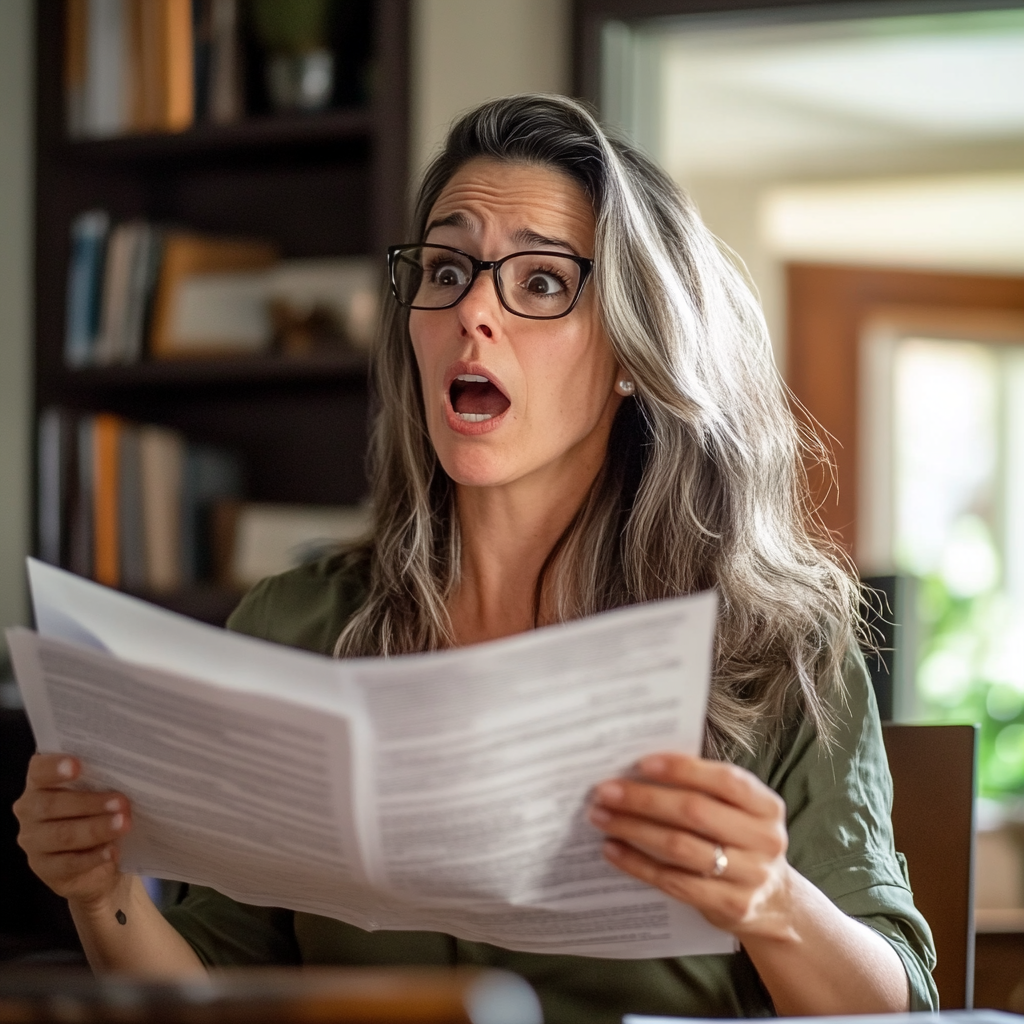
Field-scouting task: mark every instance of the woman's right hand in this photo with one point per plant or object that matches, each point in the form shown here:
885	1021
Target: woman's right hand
71	835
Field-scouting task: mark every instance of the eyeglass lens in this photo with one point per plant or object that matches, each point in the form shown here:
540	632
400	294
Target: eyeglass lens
532	284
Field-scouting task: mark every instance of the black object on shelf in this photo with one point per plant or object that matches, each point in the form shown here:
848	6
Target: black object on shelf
885	606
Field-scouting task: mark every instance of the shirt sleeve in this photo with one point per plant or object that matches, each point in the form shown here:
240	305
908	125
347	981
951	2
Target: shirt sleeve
838	804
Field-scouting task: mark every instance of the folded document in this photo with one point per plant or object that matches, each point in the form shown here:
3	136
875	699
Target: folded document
440	792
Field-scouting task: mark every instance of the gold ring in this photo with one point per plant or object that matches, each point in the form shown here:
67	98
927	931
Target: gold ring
721	863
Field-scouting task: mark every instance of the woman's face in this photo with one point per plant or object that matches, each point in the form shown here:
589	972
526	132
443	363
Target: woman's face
547	400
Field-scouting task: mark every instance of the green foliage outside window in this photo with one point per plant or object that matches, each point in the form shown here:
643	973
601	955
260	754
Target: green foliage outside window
971	660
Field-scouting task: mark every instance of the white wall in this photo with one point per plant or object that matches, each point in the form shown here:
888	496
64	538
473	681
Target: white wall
16	49
468	51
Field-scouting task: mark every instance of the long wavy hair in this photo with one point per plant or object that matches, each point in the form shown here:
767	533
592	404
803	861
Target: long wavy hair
703	484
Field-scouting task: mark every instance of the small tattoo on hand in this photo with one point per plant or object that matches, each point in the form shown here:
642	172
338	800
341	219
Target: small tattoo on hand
120	917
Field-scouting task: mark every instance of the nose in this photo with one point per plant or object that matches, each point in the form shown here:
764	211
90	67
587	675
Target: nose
479	311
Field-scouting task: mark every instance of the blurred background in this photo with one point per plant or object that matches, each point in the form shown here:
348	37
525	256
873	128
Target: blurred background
195	196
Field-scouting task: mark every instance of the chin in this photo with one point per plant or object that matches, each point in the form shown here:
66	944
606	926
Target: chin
473	468
475	476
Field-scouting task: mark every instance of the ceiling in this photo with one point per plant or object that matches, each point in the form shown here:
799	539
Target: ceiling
778	99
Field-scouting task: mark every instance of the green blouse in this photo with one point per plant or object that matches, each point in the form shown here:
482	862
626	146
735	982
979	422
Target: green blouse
840	838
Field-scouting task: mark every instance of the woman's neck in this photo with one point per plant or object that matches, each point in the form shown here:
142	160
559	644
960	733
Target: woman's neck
507	535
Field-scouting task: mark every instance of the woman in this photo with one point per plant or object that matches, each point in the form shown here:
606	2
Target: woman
549	447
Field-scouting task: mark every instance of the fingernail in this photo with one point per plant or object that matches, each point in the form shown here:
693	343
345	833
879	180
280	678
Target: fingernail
66	768
112	805
116	822
654	765
612	850
599	816
610	793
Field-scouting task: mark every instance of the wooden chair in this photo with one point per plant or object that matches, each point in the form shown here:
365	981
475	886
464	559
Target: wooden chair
933	822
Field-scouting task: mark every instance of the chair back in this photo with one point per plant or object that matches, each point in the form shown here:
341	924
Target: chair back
932	770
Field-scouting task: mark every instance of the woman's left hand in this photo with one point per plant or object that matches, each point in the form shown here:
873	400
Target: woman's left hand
709	834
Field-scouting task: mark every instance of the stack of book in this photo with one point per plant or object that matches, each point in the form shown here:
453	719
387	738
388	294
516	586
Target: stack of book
124	284
136	290
151	65
130	505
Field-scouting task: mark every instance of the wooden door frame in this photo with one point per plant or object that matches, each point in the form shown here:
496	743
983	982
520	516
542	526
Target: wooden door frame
829	310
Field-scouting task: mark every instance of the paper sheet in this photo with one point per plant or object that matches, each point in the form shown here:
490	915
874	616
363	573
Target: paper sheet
443	792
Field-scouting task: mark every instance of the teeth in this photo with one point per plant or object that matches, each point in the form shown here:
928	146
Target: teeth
474	417
473	378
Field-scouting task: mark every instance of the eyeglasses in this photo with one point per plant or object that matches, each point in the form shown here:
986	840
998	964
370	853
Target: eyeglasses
536	285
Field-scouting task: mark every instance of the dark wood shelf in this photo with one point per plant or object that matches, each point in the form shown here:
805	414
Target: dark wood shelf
199	373
205	602
265	134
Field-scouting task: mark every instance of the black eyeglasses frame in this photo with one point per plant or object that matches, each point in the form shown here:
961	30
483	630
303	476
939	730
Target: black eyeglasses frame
586	266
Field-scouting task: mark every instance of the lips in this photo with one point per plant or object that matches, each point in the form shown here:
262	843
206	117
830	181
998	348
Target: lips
475	397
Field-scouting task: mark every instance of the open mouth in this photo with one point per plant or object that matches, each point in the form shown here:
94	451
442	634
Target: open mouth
475	398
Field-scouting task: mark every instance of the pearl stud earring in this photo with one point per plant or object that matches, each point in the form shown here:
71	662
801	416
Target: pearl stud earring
625	387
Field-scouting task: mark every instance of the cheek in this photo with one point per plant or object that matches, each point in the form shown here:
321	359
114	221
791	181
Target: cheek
581	374
424	336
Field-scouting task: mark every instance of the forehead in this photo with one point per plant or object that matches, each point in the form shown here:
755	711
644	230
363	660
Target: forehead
491	196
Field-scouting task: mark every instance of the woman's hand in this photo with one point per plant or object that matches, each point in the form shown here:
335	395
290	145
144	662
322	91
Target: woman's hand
71	835
713	835
707	833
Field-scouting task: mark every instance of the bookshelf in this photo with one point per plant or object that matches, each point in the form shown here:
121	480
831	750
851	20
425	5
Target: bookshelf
325	184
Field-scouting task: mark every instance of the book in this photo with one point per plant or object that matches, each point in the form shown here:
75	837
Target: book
80	524
142	277
55	479
131	505
76	43
50	497
158	103
186	255
122	251
89	233
225	100
202	44
129	67
210	475
161	465
131	526
106	433
106	94
138	289
180	94
438	792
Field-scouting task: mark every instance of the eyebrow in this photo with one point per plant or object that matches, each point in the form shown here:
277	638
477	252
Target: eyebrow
453	220
521	236
524	236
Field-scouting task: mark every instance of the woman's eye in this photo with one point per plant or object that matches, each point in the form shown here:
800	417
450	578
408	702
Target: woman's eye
544	283
448	275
